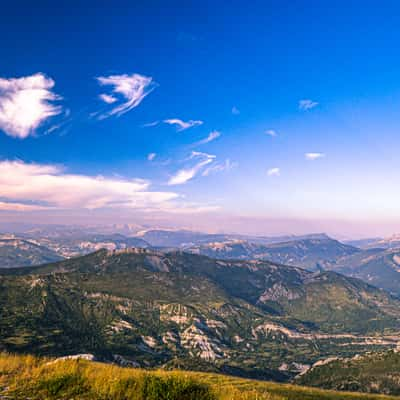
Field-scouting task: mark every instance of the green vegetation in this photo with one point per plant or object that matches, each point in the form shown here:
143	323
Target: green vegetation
373	373
35	378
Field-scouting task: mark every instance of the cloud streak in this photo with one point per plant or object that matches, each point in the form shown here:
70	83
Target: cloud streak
128	90
313	156
183	125
274	172
212	136
271	132
25	103
186	174
307	104
228	165
107	98
235	110
150	124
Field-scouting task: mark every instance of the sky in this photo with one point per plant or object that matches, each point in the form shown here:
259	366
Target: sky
264	117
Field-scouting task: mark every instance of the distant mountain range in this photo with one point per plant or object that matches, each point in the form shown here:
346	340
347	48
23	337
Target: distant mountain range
185	238
309	253
16	252
30	249
252	318
390	242
83	243
377	263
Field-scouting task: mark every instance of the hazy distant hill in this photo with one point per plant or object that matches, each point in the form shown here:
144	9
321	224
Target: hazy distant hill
177	238
186	238
72	244
390	242
311	253
253	318
378	267
16	252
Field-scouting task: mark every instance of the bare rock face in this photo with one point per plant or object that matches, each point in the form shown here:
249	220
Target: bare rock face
200	344
278	292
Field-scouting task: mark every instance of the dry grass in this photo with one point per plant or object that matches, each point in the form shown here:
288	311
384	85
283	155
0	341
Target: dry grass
35	378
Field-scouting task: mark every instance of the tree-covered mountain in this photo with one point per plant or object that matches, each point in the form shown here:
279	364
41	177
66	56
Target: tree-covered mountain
147	308
377	372
15	252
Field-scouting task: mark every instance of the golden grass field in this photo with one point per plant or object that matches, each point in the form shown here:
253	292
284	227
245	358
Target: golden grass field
30	377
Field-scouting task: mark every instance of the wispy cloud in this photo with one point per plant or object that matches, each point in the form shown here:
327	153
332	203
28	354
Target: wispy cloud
228	165
271	132
151	156
127	90
49	186
212	136
183	125
186	174
274	171
235	110
107	98
313	156
307	104
25	103
150	124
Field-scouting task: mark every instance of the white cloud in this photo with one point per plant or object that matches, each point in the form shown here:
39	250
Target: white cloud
49	186
271	132
130	90
220	167
183	125
307	104
186	174
151	156
313	156
212	136
274	172
235	110
107	98
25	103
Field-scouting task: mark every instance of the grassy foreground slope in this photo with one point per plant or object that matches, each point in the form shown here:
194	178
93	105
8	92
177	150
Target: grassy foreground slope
23	377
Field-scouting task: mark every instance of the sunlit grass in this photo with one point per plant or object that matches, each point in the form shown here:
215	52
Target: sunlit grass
35	378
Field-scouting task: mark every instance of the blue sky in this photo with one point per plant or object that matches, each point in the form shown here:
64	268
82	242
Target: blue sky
272	117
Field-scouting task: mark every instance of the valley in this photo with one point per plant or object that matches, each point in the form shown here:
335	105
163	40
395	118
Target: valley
231	307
